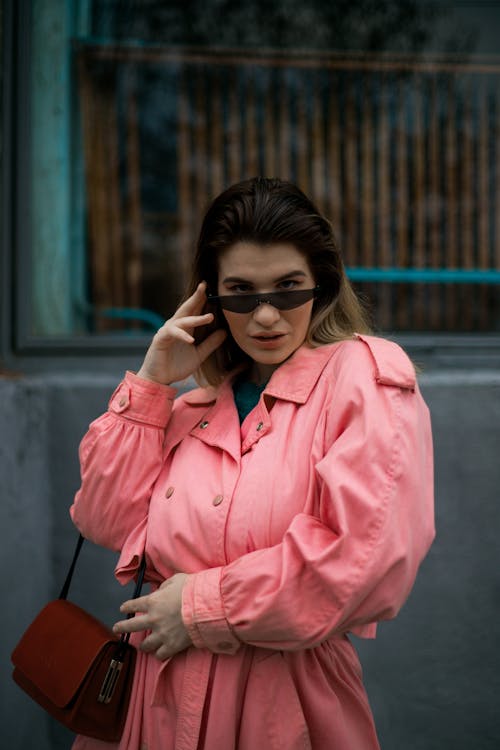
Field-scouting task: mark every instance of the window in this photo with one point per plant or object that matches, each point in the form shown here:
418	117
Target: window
388	115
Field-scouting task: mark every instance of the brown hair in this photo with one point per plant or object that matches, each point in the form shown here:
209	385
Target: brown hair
269	211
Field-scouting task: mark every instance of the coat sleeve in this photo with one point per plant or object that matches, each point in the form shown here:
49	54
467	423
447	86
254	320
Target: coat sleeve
356	561
120	458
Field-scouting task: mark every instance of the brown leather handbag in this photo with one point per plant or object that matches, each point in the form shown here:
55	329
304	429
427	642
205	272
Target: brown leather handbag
75	667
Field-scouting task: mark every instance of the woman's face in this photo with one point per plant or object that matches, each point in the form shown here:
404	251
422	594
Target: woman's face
268	335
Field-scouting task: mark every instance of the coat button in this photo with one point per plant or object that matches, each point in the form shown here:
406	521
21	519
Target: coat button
260	426
203	425
217	500
169	492
121	399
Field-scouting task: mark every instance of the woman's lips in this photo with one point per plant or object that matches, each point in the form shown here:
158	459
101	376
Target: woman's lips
268	341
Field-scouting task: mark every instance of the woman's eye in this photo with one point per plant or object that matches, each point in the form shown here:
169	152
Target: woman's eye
288	284
240	289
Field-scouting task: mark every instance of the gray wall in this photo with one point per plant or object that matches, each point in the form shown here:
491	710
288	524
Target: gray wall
433	674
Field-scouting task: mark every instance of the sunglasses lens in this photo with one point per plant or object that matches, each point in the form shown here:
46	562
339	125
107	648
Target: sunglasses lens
245	303
289	300
239	303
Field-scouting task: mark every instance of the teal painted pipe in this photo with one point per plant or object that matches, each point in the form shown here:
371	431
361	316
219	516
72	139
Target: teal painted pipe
426	275
149	317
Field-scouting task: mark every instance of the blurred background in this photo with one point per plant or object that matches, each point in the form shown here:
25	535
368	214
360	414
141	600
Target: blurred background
121	120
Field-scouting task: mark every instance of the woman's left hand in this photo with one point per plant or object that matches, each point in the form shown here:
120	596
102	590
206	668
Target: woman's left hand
160	612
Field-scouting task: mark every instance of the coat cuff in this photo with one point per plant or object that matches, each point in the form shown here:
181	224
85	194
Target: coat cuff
142	400
203	613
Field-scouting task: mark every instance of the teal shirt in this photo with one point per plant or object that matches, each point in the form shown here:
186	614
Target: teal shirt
246	396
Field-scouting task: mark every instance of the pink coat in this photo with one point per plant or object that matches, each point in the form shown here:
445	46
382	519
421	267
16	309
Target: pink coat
308	521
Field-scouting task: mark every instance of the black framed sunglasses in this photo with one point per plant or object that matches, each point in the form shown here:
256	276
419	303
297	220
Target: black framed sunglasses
245	303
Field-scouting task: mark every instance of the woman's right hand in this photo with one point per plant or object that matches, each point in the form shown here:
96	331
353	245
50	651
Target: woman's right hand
173	354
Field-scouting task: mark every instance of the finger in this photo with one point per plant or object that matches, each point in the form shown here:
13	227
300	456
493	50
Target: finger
211	343
141	604
171	331
194	303
134	625
164	653
194	321
177	330
151	643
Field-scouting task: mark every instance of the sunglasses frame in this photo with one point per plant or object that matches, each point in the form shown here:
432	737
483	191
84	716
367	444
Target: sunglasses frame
233	302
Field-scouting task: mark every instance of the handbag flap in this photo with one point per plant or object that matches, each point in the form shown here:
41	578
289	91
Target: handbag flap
58	648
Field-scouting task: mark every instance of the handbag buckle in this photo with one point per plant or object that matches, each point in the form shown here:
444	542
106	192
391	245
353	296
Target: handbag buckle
109	683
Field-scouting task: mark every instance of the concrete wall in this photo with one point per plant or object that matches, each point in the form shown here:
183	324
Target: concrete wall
433	675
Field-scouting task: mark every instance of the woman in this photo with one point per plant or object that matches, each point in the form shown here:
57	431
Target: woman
285	504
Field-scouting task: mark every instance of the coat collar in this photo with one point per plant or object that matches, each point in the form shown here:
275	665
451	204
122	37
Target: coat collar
213	417
295	379
292	381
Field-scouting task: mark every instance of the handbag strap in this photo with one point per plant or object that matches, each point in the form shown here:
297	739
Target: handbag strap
67	583
69	576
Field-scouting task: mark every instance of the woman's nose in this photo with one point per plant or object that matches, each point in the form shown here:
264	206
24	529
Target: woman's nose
265	314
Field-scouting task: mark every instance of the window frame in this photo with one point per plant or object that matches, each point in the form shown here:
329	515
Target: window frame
20	352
